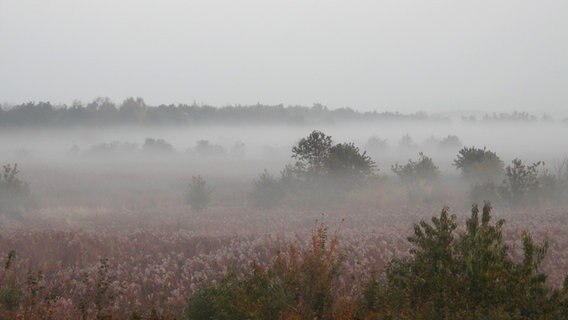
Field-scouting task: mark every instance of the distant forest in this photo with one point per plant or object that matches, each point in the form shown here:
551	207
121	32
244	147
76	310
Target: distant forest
134	111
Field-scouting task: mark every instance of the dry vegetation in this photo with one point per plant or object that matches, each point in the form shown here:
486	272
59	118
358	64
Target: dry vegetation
146	241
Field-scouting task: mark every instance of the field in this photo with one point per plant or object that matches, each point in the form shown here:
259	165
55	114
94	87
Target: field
100	242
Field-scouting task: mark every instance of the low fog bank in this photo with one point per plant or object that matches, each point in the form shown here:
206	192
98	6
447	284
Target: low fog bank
118	166
270	145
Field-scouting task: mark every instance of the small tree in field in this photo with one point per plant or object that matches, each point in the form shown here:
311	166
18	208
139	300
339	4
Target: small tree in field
199	194
479	164
522	182
423	170
312	153
13	191
346	161
267	191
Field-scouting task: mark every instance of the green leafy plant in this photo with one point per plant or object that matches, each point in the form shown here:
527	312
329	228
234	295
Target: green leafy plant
467	275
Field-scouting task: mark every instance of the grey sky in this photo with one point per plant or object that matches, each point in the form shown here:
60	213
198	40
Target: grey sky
386	55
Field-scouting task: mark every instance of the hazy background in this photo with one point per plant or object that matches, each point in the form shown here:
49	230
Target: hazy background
385	55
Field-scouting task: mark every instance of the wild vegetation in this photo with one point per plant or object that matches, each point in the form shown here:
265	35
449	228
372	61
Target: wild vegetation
165	230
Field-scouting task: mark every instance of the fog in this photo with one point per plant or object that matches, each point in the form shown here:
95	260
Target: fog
86	165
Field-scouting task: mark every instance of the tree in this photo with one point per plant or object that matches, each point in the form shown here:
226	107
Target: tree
13	191
157	146
522	182
318	156
450	142
267	191
467	275
199	194
423	170
312	153
479	164
346	161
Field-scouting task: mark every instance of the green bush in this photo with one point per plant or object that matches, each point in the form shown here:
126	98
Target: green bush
466	275
479	165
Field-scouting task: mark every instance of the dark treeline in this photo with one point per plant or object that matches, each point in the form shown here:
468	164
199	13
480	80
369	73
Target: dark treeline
134	111
102	111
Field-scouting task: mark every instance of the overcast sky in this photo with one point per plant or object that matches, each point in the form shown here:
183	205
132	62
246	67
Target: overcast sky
500	55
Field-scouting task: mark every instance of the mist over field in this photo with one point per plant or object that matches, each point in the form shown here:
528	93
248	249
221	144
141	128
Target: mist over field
282	159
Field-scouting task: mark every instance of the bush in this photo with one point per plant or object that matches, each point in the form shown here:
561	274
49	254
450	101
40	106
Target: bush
11	295
450	142
205	148
406	142
486	191
423	170
13	191
199	194
345	161
267	191
376	144
301	283
467	275
522	182
479	164
114	148
312	153
157	146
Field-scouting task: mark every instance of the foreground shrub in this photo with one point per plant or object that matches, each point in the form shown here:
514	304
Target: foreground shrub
467	275
301	283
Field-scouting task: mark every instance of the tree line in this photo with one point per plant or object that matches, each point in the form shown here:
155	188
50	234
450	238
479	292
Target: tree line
103	111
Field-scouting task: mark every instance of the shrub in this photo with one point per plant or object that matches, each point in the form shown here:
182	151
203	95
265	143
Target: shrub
522	182
13	191
267	191
11	295
347	162
416	171
157	146
301	283
450	142
312	153
205	148
114	148
479	164
467	275
376	144
199	194
485	191
406	142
